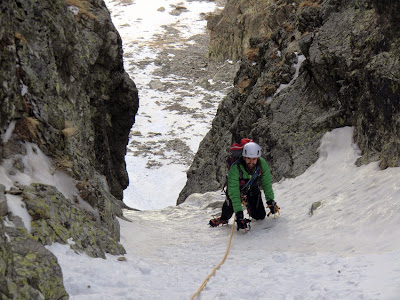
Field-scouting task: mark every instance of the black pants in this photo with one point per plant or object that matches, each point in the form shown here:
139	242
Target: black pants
254	202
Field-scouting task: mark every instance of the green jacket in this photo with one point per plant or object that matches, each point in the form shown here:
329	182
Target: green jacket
234	184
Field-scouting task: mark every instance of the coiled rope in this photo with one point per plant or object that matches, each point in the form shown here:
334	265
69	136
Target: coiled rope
219	265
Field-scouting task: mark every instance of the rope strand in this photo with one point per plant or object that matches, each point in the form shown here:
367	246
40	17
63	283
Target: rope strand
219	265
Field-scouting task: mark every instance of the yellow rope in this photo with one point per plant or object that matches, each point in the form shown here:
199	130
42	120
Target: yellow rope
220	264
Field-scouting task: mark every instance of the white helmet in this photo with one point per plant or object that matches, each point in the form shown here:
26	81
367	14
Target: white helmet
251	150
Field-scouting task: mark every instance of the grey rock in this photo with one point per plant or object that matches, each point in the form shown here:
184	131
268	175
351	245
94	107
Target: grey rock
178	10
64	87
3	201
157	85
55	219
314	207
350	78
204	83
27	269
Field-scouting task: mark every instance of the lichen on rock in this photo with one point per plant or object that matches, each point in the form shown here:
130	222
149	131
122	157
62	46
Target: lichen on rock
27	269
58	220
63	89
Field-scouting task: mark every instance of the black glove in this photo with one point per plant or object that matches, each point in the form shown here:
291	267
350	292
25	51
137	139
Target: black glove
241	221
273	207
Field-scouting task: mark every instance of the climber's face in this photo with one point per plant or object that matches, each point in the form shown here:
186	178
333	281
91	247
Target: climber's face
250	162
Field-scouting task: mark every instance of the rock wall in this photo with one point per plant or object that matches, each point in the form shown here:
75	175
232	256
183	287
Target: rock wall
350	77
63	88
231	31
28	270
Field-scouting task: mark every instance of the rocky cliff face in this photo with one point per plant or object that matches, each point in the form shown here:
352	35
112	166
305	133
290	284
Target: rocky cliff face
64	93
350	77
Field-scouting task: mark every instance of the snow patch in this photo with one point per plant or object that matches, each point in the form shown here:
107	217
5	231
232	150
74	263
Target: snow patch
9	131
300	59
18	208
38	168
74	9
24	90
8	223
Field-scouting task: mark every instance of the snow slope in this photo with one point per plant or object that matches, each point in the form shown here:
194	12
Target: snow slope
348	249
157	171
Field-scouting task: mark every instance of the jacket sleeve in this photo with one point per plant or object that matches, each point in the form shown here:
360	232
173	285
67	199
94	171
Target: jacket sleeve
266	180
234	188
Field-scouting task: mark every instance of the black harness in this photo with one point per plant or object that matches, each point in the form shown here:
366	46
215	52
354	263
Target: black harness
248	185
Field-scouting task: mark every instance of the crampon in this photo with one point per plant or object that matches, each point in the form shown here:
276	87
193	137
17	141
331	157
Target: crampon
245	225
217	221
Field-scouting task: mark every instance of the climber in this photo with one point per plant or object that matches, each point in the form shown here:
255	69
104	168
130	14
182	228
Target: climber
245	177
